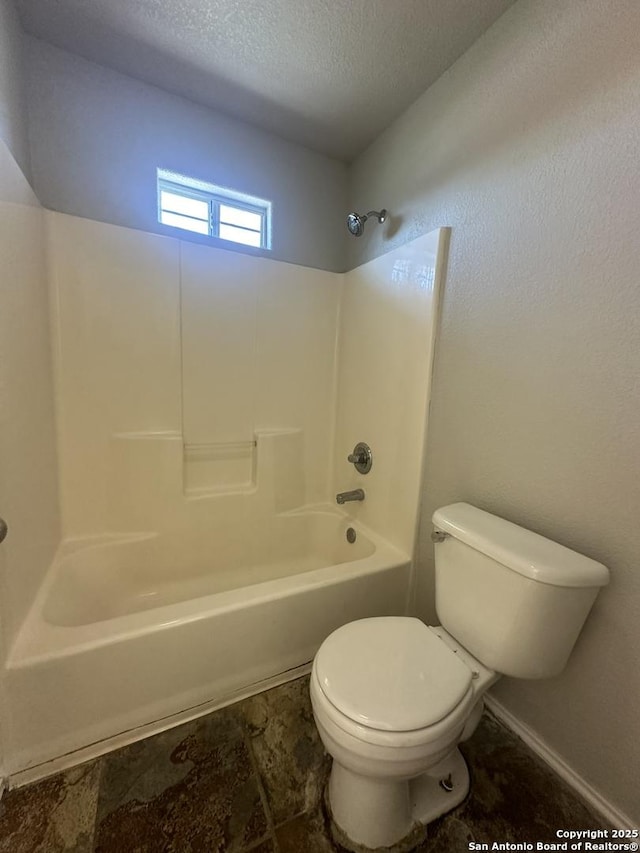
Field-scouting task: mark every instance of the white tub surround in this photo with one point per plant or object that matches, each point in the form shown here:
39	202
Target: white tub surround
28	468
387	336
170	358
205	411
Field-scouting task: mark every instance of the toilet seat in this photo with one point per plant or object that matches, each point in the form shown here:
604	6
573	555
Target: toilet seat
388	680
328	715
391	673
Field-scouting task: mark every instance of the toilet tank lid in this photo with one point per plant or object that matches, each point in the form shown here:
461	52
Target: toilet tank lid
519	549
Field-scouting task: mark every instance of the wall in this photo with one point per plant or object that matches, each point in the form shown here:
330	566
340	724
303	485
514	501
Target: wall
97	138
28	475
386	340
171	359
528	147
13	110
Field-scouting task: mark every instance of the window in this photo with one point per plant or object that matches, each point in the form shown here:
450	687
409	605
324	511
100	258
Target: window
214	211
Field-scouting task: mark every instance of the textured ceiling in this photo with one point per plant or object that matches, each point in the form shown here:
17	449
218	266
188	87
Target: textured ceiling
330	74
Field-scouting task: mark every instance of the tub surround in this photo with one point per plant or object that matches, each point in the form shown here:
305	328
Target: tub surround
155	483
186	371
201	401
28	465
169	358
388	322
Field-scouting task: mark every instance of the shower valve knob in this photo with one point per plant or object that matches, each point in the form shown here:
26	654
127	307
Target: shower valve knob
361	457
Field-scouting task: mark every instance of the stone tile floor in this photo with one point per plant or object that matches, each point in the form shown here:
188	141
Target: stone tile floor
250	778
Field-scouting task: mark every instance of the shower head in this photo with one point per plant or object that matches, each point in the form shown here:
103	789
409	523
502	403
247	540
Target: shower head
355	222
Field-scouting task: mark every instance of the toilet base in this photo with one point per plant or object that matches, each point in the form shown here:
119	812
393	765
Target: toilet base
387	814
429	798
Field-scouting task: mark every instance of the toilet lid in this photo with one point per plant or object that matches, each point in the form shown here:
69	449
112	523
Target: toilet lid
391	673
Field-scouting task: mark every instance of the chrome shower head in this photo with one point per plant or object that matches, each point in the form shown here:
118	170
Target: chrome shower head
355	222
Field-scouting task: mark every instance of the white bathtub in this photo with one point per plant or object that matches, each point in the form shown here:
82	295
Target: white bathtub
125	633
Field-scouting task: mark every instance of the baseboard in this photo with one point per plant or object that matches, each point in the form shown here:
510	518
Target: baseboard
95	750
606	810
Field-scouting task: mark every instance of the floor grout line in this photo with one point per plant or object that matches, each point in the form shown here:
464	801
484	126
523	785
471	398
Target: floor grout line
98	793
294	817
261	788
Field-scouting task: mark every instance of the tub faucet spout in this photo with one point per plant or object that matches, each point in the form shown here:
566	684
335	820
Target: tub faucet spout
355	495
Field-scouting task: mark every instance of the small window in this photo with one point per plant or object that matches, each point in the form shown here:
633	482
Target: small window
214	211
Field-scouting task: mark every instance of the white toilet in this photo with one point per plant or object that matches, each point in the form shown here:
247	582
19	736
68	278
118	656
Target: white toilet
392	697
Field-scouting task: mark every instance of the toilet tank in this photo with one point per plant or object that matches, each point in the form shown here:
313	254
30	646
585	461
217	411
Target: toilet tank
515	600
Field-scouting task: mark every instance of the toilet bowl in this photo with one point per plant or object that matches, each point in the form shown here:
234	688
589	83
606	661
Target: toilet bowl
392	697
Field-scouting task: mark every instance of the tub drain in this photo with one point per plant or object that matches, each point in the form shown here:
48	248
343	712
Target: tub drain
351	535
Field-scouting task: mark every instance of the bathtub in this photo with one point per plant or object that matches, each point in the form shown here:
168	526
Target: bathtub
128	635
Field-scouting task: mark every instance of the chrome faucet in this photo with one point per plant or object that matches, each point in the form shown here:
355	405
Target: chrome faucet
355	495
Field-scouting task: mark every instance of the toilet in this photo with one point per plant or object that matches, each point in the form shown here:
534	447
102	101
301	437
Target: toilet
392	697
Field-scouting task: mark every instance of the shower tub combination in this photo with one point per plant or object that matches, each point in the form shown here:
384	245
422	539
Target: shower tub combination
128	637
135	632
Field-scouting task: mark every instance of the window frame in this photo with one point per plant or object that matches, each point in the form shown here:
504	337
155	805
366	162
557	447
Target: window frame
215	197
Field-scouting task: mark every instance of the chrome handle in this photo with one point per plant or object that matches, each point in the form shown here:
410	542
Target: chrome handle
361	457
3	529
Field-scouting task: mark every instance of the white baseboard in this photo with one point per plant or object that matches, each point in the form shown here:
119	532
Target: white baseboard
606	810
95	750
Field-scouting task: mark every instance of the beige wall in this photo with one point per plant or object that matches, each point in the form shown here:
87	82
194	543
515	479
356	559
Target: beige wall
97	138
13	110
28	475
529	148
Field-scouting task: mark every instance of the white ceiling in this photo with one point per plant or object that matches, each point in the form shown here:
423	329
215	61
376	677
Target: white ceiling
330	74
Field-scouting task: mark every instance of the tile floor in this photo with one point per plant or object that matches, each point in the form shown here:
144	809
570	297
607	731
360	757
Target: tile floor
250	778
